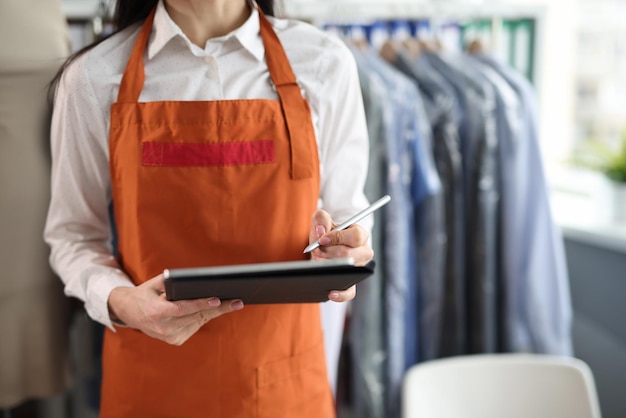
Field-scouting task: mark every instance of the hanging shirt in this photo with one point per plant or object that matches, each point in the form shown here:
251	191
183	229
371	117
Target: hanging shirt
440	220
366	331
411	178
229	67
539	309
479	144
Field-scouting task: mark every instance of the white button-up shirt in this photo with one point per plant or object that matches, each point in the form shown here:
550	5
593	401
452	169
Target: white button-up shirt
227	68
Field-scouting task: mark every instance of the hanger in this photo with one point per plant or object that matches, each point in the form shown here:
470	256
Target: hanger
475	47
360	44
389	51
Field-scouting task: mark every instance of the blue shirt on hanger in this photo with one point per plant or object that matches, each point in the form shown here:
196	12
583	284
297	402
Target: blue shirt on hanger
539	310
411	177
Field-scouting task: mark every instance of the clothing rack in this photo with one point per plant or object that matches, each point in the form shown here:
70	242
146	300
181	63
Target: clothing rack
378	360
408	9
439	12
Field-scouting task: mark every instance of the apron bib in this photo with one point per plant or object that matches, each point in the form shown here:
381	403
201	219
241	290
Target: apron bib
202	184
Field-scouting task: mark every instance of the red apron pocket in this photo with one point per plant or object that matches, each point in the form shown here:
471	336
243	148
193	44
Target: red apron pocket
207	154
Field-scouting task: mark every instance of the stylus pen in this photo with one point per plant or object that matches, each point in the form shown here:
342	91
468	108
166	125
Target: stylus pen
354	219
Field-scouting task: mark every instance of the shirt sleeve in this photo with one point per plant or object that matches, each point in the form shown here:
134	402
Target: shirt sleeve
78	227
343	137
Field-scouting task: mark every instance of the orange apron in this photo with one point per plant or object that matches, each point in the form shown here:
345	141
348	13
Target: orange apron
216	183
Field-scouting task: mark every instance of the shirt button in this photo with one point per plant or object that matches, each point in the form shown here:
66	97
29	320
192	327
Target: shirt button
212	71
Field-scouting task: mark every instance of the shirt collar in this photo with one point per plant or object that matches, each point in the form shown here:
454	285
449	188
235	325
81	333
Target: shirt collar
165	29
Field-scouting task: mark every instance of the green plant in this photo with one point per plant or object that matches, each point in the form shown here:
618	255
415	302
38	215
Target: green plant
599	156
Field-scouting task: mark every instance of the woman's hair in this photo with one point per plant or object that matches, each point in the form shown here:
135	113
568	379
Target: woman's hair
127	13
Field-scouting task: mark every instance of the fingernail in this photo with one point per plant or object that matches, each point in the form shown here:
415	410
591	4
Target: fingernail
324	241
320	230
214	302
236	305
334	295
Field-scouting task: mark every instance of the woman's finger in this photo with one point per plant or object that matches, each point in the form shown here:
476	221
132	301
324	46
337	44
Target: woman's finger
342	295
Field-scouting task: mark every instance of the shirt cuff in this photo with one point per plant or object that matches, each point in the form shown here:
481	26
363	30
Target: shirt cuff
100	288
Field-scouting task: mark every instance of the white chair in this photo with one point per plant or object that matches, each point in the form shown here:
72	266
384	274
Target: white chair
500	386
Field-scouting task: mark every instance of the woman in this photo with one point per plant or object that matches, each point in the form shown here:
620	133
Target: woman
202	122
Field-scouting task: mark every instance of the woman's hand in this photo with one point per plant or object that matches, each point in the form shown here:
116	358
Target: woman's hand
145	308
351	242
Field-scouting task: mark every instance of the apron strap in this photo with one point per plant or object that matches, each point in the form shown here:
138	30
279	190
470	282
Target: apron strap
134	76
293	105
295	108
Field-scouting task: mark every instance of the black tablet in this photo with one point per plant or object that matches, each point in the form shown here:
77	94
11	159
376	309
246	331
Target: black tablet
283	282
